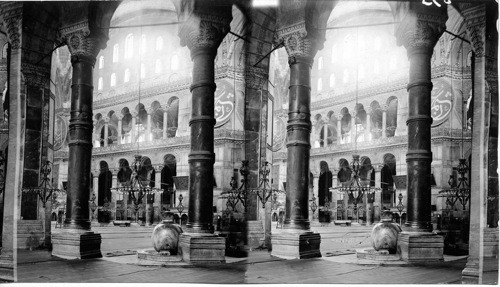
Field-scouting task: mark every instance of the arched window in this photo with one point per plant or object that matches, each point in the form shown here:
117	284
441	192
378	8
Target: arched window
116	53
4	50
392	63
174	64
320	84
159	43
143	44
99	84
376	68
345	79
378	43
143	71
101	62
126	77
332	80
158	66
112	82
320	63
129	46
361	72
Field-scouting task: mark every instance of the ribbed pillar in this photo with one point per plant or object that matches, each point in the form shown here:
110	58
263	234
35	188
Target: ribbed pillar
165	123
298	146
106	131
419	40
120	118
203	48
80	143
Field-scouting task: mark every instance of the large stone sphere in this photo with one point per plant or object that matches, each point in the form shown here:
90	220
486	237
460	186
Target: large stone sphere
385	236
166	237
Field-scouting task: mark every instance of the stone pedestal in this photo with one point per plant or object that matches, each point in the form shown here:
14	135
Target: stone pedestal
490	242
7	267
296	245
202	248
420	247
76	245
255	235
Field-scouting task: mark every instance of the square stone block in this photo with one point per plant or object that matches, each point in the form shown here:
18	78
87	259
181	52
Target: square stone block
76	245
202	248
296	245
421	247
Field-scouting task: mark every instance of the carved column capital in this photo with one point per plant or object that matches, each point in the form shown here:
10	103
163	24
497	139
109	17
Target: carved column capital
150	111
106	120
83	44
369	111
202	30
119	116
134	114
420	31
301	34
37	76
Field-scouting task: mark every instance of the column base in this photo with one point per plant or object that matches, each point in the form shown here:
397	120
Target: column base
255	234
199	248
470	274
7	267
76	244
420	247
296	245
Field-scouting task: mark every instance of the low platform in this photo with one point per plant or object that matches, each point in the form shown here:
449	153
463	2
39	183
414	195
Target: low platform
150	257
381	255
122	223
342	222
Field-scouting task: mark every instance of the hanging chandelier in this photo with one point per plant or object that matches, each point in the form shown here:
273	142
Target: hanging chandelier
137	187
45	189
458	191
265	191
356	188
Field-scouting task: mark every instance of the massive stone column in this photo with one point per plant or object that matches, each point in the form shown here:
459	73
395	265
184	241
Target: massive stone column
483	236
419	31
302	43
202	32
77	240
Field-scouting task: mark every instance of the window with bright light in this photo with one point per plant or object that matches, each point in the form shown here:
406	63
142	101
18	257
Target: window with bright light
174	64
129	46
116	53
332	80
158	66
159	43
320	63
143	44
345	79
126	77
113	80
143	71
99	84
101	62
378	43
320	84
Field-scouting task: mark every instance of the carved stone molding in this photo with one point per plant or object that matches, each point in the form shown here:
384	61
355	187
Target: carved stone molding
204	31
255	78
80	41
419	31
12	13
475	22
36	76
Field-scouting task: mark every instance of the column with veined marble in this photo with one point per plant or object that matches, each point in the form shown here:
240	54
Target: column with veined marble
133	130
119	128
106	130
165	123
339	129
202	31
148	127
368	134
384	120
419	32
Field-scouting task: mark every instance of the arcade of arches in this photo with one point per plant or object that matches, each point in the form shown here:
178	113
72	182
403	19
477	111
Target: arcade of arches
90	85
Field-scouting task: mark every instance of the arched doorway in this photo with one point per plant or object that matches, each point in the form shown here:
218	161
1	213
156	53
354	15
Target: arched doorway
386	181
104	191
167	181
